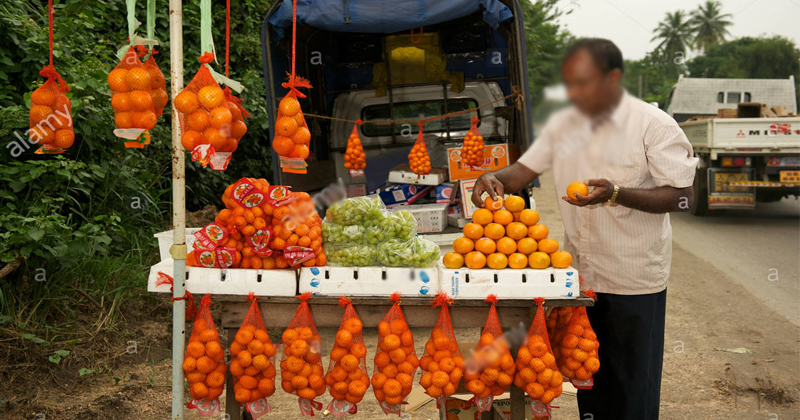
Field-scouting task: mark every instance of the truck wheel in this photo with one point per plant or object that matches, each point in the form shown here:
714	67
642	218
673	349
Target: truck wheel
700	190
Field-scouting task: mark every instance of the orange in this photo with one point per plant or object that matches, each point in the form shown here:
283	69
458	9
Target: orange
538	232
198	390
504	217
482	217
548	245
497	261
577	187
238	129
561	259
494	231
473	231
43	96
190	139
211	96
121	102
463	245
592	364
527	245
214	137
453	260
302	136
39	113
145	119
220	117
289	106
517	260
476	260
138	78
539	260
64	138
186	102
529	217
515	203
516	230
140	100
300	151
485	245
493	205
198	120
506	245
196	349
117	80
286	126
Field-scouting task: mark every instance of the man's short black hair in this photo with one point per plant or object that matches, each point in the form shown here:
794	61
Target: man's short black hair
605	53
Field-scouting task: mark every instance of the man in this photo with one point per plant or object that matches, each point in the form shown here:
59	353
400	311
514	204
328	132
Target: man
639	166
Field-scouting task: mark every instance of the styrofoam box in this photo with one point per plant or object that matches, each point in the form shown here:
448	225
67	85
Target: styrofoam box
466	283
165	242
408	177
369	281
229	281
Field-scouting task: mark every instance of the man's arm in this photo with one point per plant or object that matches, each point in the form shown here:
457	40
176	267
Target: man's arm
509	179
657	200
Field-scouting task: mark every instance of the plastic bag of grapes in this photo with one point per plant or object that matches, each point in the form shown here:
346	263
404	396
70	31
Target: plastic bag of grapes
351	255
361	211
415	252
334	234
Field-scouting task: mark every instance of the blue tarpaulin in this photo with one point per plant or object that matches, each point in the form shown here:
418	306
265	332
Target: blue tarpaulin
383	16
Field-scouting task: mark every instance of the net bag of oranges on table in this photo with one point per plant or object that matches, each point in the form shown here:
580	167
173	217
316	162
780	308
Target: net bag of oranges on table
301	366
576	348
472	149
354	157
490	369
396	361
418	159
204	362
132	101
537	372
51	114
253	363
347	377
442	364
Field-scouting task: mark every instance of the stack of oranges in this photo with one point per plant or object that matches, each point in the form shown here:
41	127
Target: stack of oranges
252	364
418	159
491	367
354	157
291	131
537	372
347	374
131	85
395	363
301	368
443	365
207	118
51	117
472	150
204	363
506	234
577	350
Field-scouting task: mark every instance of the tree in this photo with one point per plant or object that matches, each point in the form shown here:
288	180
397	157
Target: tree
674	33
657	77
545	43
709	25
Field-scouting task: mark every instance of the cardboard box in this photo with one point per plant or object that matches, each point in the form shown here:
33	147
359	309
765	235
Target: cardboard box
356	190
495	156
402	193
465	188
444	193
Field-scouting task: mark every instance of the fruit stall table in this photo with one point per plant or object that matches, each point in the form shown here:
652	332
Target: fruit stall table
277	312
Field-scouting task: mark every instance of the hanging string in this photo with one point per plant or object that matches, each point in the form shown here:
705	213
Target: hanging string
50	23
227	38
294	34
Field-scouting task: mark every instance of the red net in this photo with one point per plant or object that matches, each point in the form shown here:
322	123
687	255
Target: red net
252	359
472	149
557	322
204	363
490	369
158	84
443	363
354	157
347	377
578	349
51	114
131	97
396	360
292	136
537	372
301	366
418	158
238	127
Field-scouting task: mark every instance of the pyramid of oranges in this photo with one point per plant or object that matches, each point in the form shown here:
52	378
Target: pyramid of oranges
504	234
132	84
292	136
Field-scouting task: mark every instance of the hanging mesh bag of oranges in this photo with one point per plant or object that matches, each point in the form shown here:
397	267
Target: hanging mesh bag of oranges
396	361
472	149
204	363
354	158
490	369
253	363
131	100
158	83
292	136
578	349
442	364
347	377
537	373
557	321
418	159
51	114
301	366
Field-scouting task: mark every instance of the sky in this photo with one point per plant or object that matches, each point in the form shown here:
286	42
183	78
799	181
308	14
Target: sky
630	23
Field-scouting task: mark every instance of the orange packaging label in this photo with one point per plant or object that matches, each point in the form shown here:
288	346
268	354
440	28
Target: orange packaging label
495	156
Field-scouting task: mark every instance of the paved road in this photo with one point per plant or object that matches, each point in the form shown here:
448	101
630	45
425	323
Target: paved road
758	249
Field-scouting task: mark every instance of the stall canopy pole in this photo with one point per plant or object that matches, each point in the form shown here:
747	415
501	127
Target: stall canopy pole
178	250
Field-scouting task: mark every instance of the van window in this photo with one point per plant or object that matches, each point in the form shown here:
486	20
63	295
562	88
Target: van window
746	97
720	97
734	97
414	111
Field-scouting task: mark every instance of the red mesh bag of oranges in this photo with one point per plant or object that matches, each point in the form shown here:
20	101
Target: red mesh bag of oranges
51	114
132	100
442	364
537	373
354	157
418	159
292	136
253	363
204	363
578	349
298	232
557	322
396	361
347	377
158	83
490	369
301	366
472	149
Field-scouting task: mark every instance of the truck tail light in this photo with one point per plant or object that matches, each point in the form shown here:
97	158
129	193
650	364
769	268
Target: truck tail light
727	161
736	161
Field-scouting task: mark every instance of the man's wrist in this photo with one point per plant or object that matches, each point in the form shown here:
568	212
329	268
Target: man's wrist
614	195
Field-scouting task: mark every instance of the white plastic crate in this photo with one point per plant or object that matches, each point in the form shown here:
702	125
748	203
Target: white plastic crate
165	242
466	283
368	281
430	217
229	281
